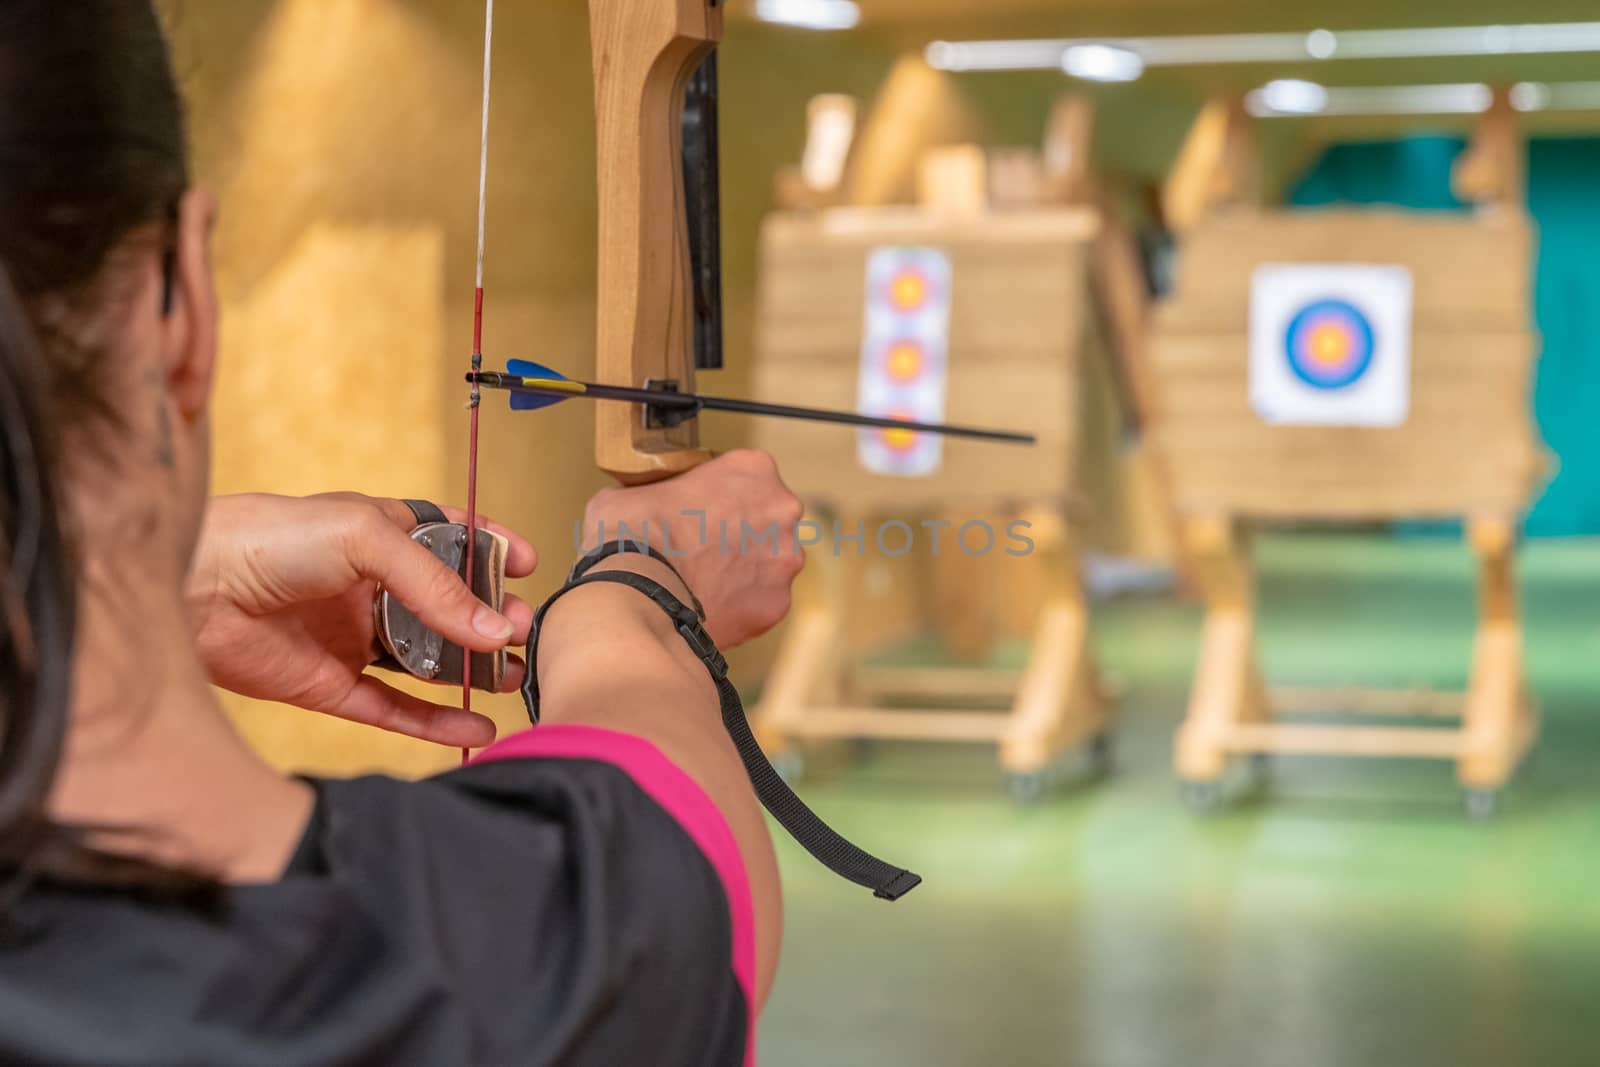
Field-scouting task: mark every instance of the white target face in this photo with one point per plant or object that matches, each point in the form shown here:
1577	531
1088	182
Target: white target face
1330	344
905	358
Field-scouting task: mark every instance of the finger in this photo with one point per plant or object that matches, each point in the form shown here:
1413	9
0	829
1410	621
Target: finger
521	557
516	670
378	704
435	594
521	615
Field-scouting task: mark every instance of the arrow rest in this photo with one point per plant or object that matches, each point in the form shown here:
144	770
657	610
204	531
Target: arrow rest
661	417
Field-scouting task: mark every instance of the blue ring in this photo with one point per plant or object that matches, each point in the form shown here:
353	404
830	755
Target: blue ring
1348	311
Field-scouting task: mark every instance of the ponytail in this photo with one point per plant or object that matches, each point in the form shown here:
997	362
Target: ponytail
37	604
38	612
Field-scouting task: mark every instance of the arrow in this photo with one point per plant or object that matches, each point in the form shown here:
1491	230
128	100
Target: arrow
533	386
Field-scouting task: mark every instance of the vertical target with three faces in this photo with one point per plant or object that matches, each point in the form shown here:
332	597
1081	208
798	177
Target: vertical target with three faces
905	358
1330	344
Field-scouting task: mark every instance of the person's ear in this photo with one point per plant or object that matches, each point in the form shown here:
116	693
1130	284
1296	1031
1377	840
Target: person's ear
191	306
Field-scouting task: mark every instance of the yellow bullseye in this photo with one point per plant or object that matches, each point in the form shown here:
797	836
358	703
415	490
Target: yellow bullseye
904	362
909	291
1329	345
900	440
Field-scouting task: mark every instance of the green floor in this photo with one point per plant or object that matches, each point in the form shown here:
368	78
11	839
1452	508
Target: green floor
1345	913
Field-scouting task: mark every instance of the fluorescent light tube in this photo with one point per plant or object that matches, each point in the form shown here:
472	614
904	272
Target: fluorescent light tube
1102	63
1290	96
1245	48
1292	99
810	14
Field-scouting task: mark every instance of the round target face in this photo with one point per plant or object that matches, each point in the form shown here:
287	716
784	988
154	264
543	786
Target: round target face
904	361
1329	344
908	291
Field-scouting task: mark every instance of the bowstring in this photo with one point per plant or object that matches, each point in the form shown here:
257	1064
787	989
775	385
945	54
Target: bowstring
474	402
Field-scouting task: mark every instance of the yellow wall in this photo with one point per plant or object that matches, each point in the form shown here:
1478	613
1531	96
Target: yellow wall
341	136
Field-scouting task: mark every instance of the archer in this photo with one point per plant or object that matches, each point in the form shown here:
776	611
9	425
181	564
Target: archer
599	891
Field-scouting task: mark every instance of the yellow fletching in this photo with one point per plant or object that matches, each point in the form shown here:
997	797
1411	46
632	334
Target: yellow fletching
559	385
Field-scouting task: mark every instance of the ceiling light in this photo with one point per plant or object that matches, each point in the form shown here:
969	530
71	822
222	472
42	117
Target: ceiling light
1289	96
1278	100
1284	99
1102	63
1220	48
1530	96
995	55
810	14
1320	44
1570	96
1530	39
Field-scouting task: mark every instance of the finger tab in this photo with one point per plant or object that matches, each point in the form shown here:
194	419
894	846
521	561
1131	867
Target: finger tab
420	651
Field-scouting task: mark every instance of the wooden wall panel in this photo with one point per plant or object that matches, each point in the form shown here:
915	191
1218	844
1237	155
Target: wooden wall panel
290	419
1468	273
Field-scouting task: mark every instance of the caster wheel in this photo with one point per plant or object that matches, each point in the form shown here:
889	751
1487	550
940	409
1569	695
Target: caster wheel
1027	789
791	767
1482	804
1101	755
1201	797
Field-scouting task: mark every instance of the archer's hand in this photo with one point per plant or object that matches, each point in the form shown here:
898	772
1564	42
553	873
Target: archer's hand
281	595
743	579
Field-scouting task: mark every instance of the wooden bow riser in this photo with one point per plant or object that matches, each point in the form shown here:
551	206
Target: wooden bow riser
645	53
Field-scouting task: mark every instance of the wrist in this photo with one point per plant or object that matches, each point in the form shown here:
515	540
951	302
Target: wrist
678	586
599	616
603	637
650	568
608	628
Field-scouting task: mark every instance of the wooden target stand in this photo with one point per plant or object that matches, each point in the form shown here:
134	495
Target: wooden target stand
1466	450
821	689
1029	347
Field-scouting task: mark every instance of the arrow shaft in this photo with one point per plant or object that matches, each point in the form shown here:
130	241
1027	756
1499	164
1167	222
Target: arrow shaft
850	418
697	402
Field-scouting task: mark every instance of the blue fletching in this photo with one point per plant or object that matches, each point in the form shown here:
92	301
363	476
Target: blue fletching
529	401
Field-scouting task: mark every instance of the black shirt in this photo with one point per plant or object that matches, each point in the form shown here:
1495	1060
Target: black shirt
569	900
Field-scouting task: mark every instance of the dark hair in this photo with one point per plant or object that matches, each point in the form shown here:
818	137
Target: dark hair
37	603
92	149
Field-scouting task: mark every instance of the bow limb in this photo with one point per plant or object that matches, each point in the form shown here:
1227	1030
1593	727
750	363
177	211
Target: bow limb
645	52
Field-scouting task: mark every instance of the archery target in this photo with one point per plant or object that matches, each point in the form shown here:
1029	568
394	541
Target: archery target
905	358
1330	345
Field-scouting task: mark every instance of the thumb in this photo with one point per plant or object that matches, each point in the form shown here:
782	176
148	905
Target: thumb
433	592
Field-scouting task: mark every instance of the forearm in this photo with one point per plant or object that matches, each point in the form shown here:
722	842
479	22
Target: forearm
610	658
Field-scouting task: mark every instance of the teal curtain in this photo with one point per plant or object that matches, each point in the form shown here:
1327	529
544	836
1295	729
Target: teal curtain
1562	177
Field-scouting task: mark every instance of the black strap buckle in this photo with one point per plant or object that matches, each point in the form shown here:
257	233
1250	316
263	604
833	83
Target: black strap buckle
700	643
